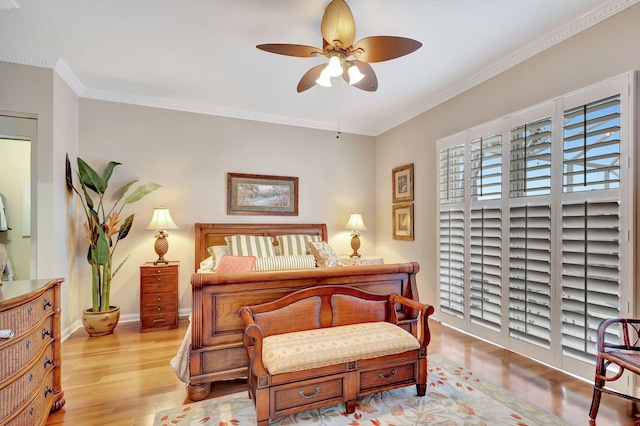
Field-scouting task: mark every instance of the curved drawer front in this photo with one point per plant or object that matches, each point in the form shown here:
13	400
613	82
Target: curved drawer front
15	357
38	409
19	392
29	314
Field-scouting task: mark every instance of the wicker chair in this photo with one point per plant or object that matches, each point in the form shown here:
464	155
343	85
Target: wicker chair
625	355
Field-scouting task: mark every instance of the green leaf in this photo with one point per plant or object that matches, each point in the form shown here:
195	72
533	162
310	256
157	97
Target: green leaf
68	173
124	229
140	192
124	191
108	171
89	178
102	251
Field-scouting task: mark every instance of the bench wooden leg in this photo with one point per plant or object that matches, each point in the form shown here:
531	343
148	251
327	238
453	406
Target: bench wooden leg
421	389
350	406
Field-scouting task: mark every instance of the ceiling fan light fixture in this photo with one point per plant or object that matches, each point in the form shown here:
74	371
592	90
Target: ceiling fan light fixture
354	74
324	79
335	66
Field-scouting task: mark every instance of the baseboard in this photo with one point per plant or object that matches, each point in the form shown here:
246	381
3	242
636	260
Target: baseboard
77	324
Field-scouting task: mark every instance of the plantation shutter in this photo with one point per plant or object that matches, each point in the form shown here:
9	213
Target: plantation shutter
530	155
590	273
452	174
452	262
486	167
530	274
486	268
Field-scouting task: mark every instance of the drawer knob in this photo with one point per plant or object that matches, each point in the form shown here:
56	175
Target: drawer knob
45	333
159	277
302	394
393	374
157	320
47	361
159	308
47	391
46	304
159	298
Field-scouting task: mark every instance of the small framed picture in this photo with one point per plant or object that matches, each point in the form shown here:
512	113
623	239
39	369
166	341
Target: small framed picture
402	183
262	195
403	222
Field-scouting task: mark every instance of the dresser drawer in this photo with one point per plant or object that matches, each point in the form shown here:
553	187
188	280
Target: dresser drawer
37	411
159	321
18	392
387	375
15	357
25	316
306	393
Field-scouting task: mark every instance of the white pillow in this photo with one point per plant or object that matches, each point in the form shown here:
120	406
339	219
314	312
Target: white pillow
216	253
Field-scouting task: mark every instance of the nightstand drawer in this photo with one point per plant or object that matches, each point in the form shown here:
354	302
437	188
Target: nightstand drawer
158	321
158	298
158	279
166	308
158	288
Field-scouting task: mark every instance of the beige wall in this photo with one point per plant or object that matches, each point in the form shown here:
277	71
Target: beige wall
605	50
190	154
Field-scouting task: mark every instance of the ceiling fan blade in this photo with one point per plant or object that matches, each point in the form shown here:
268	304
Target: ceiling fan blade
338	26
369	82
308	80
383	48
298	50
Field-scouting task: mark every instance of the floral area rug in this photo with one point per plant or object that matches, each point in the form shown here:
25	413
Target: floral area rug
455	396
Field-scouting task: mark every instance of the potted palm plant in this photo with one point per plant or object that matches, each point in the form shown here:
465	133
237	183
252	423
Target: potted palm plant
104	229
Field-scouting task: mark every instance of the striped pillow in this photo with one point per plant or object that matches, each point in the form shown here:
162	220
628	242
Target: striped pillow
250	245
277	263
291	245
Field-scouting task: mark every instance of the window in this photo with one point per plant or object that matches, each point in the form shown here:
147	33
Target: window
531	249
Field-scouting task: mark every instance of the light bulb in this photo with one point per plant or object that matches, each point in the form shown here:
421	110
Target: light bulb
325	78
335	67
354	74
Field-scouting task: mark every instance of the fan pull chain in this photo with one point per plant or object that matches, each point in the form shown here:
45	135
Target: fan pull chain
338	111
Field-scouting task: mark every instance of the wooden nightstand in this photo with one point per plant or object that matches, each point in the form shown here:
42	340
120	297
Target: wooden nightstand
363	260
158	296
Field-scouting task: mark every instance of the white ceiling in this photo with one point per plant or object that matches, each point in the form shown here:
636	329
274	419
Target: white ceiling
200	55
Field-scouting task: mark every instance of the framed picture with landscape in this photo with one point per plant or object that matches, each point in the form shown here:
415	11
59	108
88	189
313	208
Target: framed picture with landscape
262	195
402	183
403	222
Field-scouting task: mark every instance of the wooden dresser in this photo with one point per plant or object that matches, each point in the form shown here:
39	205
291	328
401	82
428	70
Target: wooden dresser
159	296
30	377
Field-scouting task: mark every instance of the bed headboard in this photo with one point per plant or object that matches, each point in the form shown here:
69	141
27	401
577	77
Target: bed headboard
212	234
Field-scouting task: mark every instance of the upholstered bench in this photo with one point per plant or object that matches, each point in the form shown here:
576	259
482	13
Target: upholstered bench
329	344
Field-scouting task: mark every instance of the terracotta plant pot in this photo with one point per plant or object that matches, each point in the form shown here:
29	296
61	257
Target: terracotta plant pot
100	323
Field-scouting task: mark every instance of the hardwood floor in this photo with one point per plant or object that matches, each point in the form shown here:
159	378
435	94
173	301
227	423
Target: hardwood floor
124	378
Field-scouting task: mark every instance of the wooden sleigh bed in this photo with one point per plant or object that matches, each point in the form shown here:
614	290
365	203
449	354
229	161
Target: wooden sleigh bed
216	351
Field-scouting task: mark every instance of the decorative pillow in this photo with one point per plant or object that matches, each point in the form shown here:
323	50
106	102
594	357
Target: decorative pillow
291	245
278	263
216	253
230	263
250	245
324	254
207	265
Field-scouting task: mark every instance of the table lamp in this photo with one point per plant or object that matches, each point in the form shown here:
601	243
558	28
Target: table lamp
355	224
161	222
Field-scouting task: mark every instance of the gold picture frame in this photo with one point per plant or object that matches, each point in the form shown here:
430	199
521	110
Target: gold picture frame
262	195
402	178
402	221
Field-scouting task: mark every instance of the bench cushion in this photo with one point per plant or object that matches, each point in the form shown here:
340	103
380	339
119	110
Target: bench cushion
303	350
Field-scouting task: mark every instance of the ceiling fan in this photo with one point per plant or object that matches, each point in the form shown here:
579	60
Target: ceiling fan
346	59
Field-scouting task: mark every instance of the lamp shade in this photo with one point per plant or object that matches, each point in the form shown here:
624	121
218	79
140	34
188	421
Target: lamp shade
355	223
161	220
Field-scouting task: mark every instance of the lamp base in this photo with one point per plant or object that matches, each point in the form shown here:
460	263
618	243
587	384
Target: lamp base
355	245
161	247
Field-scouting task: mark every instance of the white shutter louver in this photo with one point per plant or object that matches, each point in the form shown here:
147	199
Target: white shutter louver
486	167
486	268
452	262
530	155
530	274
452	174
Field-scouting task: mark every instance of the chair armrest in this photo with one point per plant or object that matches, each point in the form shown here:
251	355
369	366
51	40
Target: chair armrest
630	330
425	311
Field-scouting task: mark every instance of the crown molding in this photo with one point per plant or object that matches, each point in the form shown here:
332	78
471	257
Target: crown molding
521	55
